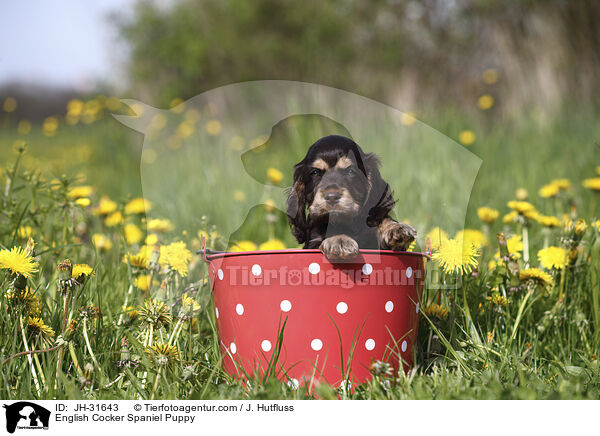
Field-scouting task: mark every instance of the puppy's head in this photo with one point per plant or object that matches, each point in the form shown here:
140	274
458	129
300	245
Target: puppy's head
337	182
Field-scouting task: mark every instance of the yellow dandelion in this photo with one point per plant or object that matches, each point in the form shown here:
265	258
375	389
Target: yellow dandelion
436	236
536	277
18	261
142	282
155	313
244	246
80	192
593	183
272	244
177	256
83	202
553	257
580	227
114	219
151	239
521	207
106	206
499	300
522	194
563	184
455	256
436	311
160	225
510	217
138	206
487	214
274	175
131	312
485	102
26	299
548	221
163	355
472	236
136	261
25	232
466	137
36	326
133	234
82	269
514	244
102	242
549	191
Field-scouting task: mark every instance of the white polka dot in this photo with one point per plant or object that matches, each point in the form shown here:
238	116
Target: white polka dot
341	307
265	345
314	268
294	383
286	305
417	308
256	269
404	346
233	348
217	312
239	309
220	274
389	306
369	344
409	272
367	269
316	344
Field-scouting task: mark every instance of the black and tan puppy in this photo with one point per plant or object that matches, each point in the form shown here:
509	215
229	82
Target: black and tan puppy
339	202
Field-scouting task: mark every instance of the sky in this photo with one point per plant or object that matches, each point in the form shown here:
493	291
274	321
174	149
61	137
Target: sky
68	43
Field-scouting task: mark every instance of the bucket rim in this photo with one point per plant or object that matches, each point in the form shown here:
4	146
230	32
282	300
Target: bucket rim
226	254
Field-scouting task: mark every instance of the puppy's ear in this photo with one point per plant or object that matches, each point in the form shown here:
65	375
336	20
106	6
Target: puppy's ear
379	200
296	202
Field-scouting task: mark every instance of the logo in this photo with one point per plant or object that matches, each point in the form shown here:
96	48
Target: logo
26	415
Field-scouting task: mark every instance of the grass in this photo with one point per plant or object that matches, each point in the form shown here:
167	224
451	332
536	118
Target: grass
538	342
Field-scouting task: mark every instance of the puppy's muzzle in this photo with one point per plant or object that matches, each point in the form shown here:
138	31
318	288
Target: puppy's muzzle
332	195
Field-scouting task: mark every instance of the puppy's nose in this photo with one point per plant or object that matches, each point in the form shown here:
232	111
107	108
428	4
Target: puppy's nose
332	196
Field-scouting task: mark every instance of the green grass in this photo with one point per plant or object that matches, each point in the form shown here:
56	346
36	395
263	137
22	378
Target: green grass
545	346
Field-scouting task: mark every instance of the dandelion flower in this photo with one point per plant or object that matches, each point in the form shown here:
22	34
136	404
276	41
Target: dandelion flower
499	300
521	207
164	355
593	183
548	191
472	236
522	194
552	257
548	221
455	256
436	236
80	192
26	299
106	206
272	244
537	277
142	282
487	214
510	217
136	261
466	137
138	206
102	242
133	234
36	326
18	261
176	256
114	219
82	269
25	232
485	102
83	202
514	245
244	246
562	184
131	312
436	311
160	225
274	175
155	313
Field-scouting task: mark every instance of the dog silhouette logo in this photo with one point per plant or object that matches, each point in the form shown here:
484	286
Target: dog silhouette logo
26	415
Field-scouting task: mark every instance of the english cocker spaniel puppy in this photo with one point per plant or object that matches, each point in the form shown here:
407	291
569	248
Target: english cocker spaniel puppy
339	202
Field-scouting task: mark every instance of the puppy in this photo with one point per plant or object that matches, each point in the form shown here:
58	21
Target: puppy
339	202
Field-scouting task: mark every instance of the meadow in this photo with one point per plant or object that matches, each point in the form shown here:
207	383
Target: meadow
103	296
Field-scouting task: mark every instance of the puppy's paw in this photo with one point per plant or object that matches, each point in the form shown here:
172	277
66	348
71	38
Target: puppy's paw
339	247
396	236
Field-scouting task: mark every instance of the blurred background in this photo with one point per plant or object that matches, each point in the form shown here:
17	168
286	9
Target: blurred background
513	81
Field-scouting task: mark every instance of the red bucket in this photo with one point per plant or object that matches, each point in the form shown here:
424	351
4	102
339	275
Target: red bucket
308	319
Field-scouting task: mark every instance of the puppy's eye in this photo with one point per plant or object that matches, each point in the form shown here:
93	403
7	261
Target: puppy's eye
315	172
350	171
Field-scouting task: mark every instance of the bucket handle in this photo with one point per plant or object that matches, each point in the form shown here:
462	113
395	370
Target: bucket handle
206	251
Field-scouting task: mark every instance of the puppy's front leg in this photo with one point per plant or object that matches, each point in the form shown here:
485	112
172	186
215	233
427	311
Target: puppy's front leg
395	236
339	247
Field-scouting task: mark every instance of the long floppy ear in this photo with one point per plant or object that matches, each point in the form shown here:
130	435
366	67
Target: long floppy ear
296	206
379	200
